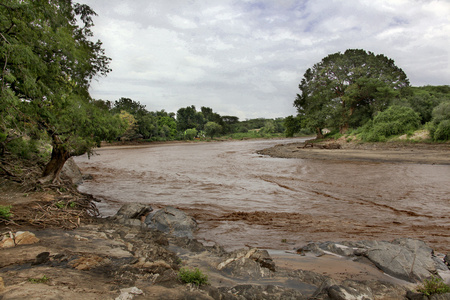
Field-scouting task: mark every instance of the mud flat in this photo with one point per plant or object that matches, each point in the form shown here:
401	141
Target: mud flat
373	152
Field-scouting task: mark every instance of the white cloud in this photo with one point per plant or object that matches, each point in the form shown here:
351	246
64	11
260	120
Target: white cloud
247	58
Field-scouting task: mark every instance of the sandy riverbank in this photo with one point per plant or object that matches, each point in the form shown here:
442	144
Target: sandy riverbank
419	153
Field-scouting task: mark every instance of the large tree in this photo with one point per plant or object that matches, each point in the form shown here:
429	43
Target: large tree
347	89
48	60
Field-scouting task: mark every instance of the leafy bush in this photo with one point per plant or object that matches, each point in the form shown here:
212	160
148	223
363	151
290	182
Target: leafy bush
440	125
212	129
5	212
193	276
23	148
190	134
442	132
393	121
432	286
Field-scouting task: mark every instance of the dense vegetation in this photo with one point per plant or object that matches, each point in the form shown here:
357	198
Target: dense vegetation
48	60
358	90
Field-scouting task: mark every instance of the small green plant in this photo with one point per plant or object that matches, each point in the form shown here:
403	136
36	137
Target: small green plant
72	204
43	279
432	286
60	204
284	240
193	276
5	212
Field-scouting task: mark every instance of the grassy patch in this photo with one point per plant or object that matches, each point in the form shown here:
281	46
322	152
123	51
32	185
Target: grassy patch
432	286
43	279
193	276
5	212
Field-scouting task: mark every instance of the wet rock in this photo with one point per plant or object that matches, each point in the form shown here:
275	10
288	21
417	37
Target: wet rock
351	291
311	247
247	291
132	214
172	221
406	259
411	295
245	263
41	258
337	248
263	258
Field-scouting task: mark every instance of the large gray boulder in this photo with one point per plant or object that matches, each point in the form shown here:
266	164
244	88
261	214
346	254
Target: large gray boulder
407	259
172	221
71	172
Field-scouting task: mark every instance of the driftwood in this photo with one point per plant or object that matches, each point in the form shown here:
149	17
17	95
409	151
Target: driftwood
321	146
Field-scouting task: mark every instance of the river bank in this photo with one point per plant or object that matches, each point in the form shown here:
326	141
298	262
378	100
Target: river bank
391	152
120	258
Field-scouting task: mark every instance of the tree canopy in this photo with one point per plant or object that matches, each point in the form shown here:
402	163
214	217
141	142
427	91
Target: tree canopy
347	89
48	61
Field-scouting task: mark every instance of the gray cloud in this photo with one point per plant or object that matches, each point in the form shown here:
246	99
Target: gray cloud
246	58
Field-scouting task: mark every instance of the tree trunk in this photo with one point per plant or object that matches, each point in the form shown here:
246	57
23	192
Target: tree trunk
319	133
59	156
343	129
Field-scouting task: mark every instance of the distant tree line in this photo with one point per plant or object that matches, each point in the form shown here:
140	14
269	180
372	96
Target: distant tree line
187	123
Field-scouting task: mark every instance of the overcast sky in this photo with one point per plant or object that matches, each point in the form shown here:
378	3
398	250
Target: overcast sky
246	58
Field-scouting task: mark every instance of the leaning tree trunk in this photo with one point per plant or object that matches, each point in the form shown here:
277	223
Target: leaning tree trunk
59	156
319	133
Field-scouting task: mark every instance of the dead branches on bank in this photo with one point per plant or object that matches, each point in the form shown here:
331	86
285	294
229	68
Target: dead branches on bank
56	214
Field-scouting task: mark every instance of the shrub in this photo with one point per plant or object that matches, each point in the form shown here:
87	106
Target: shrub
442	132
393	121
5	212
432	286
190	134
192	276
43	279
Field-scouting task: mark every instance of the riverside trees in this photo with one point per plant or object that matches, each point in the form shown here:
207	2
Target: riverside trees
347	89
48	61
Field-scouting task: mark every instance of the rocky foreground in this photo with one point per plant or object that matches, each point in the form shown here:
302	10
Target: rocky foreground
138	254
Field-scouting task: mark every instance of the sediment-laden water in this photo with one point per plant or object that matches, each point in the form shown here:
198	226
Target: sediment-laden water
242	198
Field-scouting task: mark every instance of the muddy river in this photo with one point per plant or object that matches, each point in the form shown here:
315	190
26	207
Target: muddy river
242	198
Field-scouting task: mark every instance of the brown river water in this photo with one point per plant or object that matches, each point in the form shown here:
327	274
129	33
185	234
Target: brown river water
241	198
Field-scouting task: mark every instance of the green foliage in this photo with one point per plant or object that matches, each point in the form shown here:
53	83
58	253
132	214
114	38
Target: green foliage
347	89
440	124
292	125
5	212
48	60
393	121
188	118
23	148
193	276
43	279
212	129
442	132
432	286
190	134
